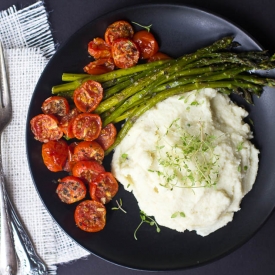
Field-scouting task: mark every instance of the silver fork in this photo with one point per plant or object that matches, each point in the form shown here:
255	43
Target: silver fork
13	233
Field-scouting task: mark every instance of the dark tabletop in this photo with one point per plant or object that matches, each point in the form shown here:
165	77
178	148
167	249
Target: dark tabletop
256	17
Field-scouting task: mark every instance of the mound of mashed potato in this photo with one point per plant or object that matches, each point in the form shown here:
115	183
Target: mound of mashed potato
189	161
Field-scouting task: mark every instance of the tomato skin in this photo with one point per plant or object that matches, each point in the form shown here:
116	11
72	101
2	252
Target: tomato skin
54	154
87	126
71	189
98	48
119	29
103	188
100	66
87	170
107	136
70	162
56	105
90	216
88	150
66	123
159	56
88	95
125	53
45	128
147	43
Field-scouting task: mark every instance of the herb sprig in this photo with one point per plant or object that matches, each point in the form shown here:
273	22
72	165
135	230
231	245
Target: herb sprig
146	219
191	160
119	206
148	28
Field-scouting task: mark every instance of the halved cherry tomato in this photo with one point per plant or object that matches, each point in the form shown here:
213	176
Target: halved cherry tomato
71	189
107	136
100	66
55	154
147	43
70	162
87	126
103	188
159	56
66	123
88	95
45	128
90	216
56	105
87	170
88	150
119	29
98	48
125	53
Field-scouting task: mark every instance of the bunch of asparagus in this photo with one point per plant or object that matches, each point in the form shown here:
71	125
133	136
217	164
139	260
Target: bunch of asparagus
131	92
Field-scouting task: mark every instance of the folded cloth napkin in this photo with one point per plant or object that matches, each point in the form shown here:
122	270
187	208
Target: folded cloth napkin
29	45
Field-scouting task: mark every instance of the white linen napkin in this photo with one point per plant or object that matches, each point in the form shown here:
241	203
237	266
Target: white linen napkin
27	38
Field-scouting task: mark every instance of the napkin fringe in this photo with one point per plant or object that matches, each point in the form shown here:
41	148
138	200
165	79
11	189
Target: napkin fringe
32	23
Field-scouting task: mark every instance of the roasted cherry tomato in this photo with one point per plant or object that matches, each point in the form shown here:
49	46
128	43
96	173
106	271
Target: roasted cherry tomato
55	154
90	216
88	150
107	136
71	189
56	105
98	48
66	123
88	95
87	170
103	188
100	66
70	162
125	53
159	56
45	128
147	43
87	126
119	29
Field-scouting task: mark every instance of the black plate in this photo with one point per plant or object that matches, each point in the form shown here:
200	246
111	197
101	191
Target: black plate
180	30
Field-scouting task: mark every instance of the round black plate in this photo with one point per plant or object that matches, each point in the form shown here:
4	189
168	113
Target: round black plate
180	30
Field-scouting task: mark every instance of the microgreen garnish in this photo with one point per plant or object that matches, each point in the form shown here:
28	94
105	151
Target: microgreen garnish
146	219
145	27
119	206
177	214
251	121
124	156
190	162
195	103
240	146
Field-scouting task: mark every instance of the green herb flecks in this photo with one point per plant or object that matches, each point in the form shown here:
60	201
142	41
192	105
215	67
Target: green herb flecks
146	219
142	26
178	214
119	206
123	158
240	146
190	162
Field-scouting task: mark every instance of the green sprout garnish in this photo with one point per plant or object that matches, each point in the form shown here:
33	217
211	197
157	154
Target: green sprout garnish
240	146
124	156
146	219
145	27
178	213
119	206
193	154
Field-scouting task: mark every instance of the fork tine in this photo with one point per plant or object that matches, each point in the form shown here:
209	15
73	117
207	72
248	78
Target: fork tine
5	97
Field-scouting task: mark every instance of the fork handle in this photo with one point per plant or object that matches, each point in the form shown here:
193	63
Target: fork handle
8	263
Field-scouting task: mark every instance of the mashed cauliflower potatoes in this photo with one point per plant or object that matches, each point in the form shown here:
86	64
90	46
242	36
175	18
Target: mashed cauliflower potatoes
189	161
